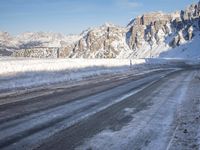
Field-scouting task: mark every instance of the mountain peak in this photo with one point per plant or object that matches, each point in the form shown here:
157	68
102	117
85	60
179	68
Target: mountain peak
109	24
156	32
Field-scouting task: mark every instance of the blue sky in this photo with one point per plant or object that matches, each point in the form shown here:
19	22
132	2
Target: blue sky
73	16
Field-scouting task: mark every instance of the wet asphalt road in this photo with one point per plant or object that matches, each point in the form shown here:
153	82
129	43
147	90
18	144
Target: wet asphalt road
74	117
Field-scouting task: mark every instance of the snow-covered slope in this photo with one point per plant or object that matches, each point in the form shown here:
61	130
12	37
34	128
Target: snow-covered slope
154	34
187	50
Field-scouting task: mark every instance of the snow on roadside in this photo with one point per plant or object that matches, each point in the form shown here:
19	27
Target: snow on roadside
25	73
32	65
22	73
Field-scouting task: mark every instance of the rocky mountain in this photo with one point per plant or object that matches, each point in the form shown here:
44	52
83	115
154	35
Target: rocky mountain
154	34
37	42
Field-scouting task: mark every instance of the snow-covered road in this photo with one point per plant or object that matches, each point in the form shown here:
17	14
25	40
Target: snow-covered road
155	110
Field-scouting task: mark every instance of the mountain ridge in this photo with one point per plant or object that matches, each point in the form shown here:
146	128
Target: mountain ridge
149	35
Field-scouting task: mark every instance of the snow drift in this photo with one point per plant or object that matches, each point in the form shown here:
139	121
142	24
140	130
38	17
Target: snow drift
24	73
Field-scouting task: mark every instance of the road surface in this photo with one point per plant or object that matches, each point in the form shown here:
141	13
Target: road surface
155	110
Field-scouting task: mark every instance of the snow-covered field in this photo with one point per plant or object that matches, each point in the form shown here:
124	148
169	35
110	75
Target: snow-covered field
24	73
14	66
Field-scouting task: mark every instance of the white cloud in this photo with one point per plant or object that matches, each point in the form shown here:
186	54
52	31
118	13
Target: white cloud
129	3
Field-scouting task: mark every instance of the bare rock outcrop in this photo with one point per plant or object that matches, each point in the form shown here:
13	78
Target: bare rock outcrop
102	42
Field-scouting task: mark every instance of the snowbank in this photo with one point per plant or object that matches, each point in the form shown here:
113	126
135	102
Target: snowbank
25	73
8	66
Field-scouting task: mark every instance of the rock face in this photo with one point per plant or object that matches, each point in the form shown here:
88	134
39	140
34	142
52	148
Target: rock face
143	34
106	41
